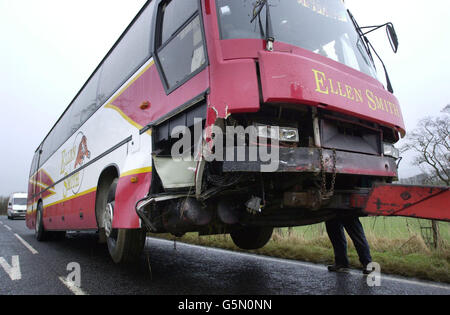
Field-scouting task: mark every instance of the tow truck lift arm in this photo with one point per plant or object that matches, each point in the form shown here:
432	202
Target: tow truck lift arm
424	202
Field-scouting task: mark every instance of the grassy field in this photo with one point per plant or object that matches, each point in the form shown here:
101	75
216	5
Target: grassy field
396	244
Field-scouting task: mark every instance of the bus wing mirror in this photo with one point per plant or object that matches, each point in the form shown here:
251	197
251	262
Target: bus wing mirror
392	35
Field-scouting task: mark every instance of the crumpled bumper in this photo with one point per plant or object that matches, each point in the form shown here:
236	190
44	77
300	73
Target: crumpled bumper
308	160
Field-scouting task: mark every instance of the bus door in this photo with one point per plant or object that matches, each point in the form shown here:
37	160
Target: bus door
180	45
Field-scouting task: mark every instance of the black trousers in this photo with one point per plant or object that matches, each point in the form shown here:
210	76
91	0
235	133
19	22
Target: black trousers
354	228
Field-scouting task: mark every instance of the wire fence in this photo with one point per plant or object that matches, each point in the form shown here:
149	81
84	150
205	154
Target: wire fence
432	233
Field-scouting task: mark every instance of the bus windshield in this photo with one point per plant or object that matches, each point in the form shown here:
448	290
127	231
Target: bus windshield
321	26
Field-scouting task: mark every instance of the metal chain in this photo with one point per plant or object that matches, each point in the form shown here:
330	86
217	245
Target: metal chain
324	193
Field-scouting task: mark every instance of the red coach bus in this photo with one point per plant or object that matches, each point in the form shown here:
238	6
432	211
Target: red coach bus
301	73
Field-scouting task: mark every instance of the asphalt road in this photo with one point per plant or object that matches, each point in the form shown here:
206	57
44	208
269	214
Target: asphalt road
31	268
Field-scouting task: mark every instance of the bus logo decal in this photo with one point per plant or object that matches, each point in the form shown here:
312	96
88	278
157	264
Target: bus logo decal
83	152
78	154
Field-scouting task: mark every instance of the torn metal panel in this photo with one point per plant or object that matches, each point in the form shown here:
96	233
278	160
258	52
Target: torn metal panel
176	174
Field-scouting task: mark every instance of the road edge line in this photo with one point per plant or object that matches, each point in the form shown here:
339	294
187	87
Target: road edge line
28	246
73	288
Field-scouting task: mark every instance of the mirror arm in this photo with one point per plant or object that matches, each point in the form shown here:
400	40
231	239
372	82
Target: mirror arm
374	28
388	80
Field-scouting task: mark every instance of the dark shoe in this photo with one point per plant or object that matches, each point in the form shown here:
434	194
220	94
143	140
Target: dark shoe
338	268
365	271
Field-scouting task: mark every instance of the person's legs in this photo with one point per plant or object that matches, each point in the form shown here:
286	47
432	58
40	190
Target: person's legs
337	237
355	230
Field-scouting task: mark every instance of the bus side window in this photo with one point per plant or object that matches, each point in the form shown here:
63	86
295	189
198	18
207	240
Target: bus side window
128	55
181	49
33	168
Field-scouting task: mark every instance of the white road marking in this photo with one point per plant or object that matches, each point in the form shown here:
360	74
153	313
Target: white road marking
7	227
306	265
30	248
14	270
73	288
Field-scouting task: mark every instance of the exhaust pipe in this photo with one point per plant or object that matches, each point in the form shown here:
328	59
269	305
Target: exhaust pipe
229	211
186	215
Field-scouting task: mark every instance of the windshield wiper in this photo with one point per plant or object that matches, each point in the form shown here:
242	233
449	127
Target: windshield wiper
362	38
269	36
368	45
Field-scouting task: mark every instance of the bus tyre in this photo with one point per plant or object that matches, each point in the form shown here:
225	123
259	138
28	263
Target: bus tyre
252	237
124	245
41	234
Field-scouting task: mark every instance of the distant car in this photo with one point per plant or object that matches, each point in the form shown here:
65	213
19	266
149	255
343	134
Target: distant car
17	206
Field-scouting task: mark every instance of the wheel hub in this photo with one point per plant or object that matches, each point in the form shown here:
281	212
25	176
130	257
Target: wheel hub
108	218
38	220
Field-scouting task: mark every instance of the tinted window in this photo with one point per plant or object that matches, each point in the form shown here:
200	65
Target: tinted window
131	52
182	51
47	148
34	163
184	54
175	14
83	107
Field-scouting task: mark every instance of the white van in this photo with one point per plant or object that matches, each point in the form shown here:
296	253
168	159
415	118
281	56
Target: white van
17	205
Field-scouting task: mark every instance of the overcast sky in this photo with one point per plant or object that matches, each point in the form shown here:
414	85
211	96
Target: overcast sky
50	47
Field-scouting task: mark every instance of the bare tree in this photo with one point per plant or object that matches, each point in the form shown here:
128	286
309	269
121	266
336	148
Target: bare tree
3	205
430	141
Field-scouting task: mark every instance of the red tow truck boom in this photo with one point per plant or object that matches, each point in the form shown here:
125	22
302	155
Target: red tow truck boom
424	202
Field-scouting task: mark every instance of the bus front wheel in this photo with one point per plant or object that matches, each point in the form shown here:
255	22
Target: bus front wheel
125	246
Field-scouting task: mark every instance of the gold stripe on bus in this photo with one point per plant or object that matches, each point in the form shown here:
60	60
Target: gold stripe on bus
138	171
117	109
71	198
124	116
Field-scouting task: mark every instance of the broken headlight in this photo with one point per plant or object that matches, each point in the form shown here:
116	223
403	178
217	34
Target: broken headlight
282	134
390	150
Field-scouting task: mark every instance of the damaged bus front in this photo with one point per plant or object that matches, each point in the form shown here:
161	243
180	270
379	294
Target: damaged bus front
295	122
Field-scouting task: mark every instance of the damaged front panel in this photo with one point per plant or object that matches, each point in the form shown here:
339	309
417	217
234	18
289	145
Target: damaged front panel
175	174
